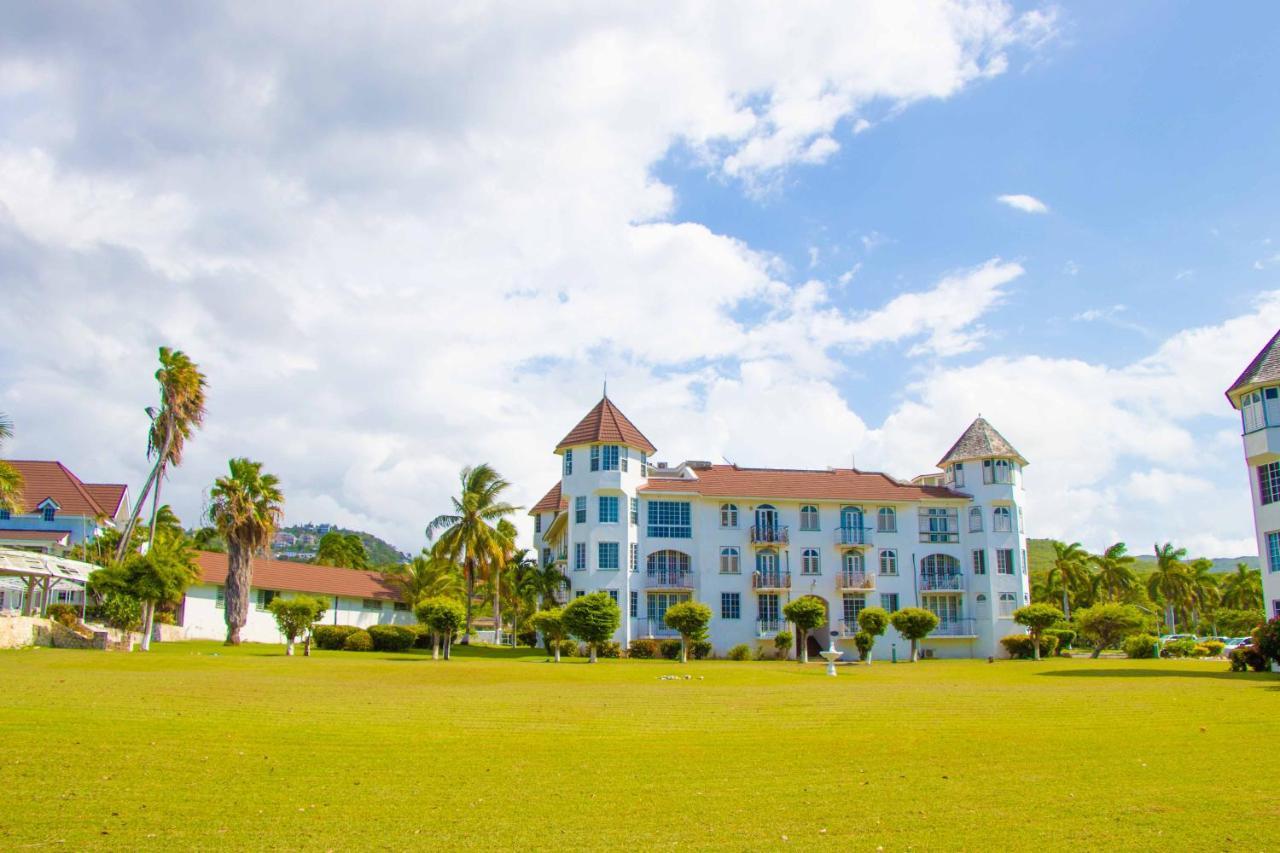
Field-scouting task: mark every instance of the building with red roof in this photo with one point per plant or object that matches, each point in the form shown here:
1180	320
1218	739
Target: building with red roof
58	509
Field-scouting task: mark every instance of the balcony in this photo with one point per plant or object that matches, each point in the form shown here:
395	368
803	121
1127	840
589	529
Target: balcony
669	579
656	629
949	582
775	534
767	581
955	628
856	581
853	537
767	629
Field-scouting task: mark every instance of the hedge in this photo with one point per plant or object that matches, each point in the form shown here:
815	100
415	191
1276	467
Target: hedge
358	641
670	649
332	637
1019	646
740	652
700	649
643	648
391	638
1140	646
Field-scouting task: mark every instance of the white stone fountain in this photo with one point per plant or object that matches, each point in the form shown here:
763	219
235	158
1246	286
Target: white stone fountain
832	655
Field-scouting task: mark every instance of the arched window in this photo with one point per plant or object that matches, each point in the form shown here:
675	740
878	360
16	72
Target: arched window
851	517
730	561
887	520
939	564
766	517
975	519
810	562
808	517
854	564
888	562
667	566
1002	520
728	515
997	471
767	561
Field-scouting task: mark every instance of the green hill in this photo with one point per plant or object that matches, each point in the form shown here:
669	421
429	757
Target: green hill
307	538
1040	556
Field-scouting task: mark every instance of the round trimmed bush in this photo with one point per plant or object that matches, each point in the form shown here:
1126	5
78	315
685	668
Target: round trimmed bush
1214	647
643	648
740	652
700	649
569	648
1140	646
1020	646
1178	649
331	637
610	649
391	638
358	641
670	649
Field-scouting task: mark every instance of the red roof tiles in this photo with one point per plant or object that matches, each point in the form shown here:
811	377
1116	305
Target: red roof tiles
42	480
58	537
300	577
841	484
550	502
606	424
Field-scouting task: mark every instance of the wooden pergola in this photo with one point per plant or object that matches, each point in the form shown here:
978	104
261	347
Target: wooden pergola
43	571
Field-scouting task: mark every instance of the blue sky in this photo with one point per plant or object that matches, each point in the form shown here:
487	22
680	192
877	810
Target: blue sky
415	238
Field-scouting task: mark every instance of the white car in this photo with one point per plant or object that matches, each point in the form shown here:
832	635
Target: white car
1235	643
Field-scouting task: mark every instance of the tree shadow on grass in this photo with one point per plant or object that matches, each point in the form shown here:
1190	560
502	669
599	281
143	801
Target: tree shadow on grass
1256	677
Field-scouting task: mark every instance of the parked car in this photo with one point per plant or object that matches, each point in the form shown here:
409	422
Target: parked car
1235	643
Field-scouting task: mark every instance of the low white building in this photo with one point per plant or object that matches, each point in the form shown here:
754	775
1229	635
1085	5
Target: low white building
355	597
1256	393
745	541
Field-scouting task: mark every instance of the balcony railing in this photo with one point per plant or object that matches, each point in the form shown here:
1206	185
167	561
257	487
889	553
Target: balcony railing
771	580
669	578
775	534
857	580
766	629
853	536
949	582
657	628
963	627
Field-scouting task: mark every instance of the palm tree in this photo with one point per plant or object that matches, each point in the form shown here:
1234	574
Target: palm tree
1115	571
208	539
520	568
245	507
1170	583
10	479
1242	590
182	410
468	534
1070	571
544	583
429	575
1205	592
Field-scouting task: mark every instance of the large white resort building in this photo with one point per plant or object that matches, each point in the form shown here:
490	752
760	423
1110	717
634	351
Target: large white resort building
1256	393
745	541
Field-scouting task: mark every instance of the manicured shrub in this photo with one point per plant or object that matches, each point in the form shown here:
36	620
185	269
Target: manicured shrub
873	621
1021	646
700	649
1038	618
1247	658
331	637
914	624
740	652
1200	651
593	619
295	615
358	641
670	649
1178	649
782	644
864	641
806	613
391	638
609	649
690	618
1066	638
65	614
643	648
122	612
1266	639
568	648
1107	625
1140	646
421	636
550	623
1214	647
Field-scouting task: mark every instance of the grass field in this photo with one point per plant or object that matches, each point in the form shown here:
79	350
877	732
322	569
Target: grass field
193	746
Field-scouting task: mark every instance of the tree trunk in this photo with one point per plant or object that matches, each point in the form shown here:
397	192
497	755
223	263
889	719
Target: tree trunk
148	622
684	649
288	647
448	645
239	582
471	593
1066	605
1097	650
592	646
497	606
555	645
802	647
1035	646
1170	619
913	651
142	499
435	645
155	507
306	646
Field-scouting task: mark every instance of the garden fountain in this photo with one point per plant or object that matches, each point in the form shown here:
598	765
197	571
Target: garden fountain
832	655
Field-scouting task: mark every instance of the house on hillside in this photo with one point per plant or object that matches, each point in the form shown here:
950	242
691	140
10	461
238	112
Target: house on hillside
745	540
355	598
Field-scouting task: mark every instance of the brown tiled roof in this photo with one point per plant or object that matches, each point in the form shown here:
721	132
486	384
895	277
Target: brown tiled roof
61	537
836	484
980	440
300	577
606	424
41	480
550	501
1265	367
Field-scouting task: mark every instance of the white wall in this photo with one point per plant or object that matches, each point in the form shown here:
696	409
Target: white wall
202	619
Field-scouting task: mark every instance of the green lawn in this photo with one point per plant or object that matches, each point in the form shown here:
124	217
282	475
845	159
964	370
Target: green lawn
194	747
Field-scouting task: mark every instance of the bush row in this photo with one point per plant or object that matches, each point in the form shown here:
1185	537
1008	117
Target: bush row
1020	646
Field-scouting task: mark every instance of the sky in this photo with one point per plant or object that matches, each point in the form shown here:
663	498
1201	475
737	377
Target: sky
404	238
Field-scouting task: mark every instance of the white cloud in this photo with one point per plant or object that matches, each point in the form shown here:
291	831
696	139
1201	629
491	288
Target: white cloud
1025	203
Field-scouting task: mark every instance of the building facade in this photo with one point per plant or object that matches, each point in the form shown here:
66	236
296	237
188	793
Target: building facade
1256	394
745	541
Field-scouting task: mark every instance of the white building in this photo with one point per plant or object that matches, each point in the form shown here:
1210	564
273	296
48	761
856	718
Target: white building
360	598
1256	393
745	541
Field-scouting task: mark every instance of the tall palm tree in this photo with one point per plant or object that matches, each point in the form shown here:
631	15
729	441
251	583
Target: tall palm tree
468	534
181	412
1242	589
245	507
544	583
1205	592
1115	571
10	479
431	574
1170	583
519	568
1070	571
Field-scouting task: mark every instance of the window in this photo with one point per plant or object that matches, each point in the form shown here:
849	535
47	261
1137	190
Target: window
1004	561
730	561
622	458
935	565
579	556
608	509
854	603
659	603
1008	602
668	567
4	515
49	512
854	564
580	509
730	605
613	593
580	593
635	510
595	457
808	517
220	597
400	607
546	556
1273	551
997	471
887	520
635	604
644	464
889	601
888	562
975	519
956	475
635	556
537	523
938	524
604	457
728	515
810	562
1001	520
979	562
264	597
1269	482
669	519
568	462
371	604
607	556
767	607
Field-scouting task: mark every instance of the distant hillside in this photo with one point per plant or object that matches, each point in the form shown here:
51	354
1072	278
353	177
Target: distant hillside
1040	556
306	538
